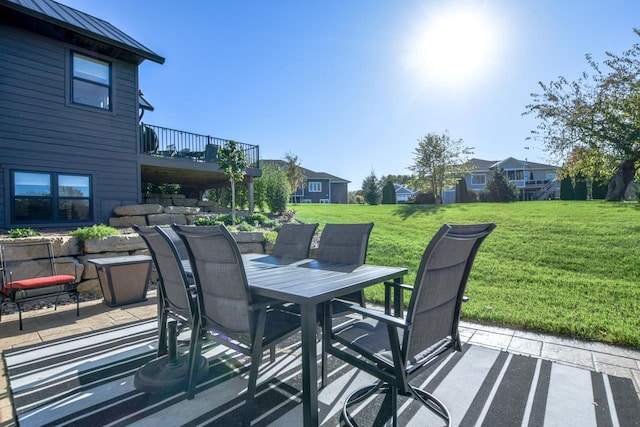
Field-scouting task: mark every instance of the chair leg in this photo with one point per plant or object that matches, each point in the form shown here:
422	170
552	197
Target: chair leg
195	350
19	314
361	394
431	402
256	357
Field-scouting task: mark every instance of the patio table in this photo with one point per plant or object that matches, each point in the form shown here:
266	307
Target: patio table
310	282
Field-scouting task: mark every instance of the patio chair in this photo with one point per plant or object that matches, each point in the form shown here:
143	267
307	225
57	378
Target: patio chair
28	273
347	244
342	244
177	301
228	310
395	349
294	241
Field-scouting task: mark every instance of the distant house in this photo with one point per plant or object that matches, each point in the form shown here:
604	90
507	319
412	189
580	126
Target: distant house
403	194
72	147
317	187
536	181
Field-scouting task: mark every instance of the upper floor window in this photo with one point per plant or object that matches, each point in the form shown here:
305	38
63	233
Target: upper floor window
478	179
50	197
91	82
315	186
515	174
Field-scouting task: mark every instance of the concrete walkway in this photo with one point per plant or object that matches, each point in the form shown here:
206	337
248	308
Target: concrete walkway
47	324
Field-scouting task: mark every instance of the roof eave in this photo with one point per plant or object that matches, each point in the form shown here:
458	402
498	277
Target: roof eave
35	14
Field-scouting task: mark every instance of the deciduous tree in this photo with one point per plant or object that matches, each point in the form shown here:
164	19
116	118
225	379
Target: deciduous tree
293	170
439	162
232	161
599	113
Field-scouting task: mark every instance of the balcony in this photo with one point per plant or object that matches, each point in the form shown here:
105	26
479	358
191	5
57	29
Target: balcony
189	159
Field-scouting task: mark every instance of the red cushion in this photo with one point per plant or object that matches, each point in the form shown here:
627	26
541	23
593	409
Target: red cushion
40	282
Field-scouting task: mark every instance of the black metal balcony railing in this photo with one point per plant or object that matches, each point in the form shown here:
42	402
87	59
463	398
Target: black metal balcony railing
164	142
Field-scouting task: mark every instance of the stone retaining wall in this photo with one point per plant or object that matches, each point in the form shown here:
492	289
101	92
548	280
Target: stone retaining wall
73	258
164	209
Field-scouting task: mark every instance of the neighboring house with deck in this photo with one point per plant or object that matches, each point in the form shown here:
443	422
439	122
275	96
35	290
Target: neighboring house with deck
536	181
72	147
317	187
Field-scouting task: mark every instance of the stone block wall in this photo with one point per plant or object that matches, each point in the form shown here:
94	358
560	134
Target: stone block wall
159	214
73	258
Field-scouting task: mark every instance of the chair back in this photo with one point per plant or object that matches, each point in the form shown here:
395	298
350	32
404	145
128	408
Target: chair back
177	242
220	279
344	243
173	278
20	261
434	309
294	241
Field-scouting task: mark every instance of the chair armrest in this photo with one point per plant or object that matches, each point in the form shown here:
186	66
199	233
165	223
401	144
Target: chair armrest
398	297
378	315
402	286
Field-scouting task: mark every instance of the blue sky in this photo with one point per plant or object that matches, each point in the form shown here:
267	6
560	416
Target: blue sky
350	86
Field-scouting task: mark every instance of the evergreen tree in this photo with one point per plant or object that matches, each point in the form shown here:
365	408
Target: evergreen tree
371	189
599	188
499	188
580	188
566	189
388	193
462	194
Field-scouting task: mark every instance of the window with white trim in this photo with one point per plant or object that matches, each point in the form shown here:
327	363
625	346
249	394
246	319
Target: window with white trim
478	179
315	186
515	174
90	81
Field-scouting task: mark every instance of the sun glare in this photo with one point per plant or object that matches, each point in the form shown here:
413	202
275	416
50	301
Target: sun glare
454	45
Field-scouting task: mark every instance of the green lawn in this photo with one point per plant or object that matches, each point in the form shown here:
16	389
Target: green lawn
569	268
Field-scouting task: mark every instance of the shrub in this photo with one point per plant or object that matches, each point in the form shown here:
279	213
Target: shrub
206	220
270	236
257	219
427	198
16	233
472	196
580	189
599	188
225	219
97	231
245	226
222	219
566	189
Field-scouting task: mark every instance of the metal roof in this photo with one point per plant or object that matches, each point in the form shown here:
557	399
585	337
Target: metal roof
82	23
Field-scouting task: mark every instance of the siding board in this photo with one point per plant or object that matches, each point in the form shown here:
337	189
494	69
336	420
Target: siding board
56	136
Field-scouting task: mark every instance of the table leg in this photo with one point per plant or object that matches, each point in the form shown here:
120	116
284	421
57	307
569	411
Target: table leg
309	366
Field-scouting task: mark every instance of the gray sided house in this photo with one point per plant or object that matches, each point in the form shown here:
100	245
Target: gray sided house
536	181
403	194
72	146
317	187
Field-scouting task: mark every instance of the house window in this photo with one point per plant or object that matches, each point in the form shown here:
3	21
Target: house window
51	197
515	174
91	82
478	179
315	186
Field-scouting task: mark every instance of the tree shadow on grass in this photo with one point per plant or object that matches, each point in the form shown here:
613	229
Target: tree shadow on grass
407	211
